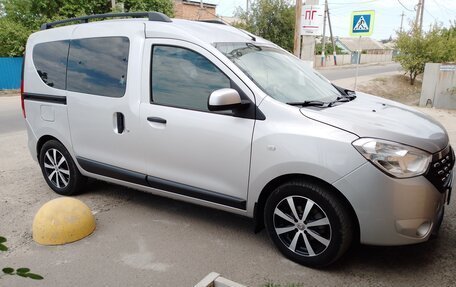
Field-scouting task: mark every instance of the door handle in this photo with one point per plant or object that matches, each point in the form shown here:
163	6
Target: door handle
120	122
156	120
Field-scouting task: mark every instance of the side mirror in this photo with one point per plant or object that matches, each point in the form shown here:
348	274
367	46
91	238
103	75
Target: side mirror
224	99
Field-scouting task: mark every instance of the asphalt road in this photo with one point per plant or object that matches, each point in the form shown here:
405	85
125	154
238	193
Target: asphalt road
146	240
11	116
350	71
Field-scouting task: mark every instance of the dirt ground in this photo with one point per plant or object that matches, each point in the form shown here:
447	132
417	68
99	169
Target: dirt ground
8	93
394	87
146	240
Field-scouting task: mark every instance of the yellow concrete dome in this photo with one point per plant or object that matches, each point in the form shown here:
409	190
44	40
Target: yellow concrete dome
62	220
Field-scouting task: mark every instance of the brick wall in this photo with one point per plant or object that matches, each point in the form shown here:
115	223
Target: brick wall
192	11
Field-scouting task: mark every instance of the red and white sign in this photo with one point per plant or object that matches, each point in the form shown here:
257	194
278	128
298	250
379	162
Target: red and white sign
312	19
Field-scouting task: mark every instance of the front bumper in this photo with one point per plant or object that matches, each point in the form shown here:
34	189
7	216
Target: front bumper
392	211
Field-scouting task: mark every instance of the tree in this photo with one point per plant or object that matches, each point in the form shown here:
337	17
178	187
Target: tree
271	19
328	49
438	45
165	7
12	38
19	18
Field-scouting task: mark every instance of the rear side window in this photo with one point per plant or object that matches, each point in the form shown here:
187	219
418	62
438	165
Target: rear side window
183	78
98	66
50	60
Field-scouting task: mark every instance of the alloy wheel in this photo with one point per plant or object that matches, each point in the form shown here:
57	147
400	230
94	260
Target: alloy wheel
56	168
302	226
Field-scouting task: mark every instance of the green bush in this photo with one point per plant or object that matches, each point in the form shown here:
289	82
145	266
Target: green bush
438	45
12	38
273	20
19	18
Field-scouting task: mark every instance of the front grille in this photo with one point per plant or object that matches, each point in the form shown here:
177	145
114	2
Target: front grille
440	170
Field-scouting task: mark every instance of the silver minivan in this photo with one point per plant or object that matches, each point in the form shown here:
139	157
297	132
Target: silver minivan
213	115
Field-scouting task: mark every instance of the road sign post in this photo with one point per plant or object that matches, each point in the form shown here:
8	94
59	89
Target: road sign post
361	24
311	18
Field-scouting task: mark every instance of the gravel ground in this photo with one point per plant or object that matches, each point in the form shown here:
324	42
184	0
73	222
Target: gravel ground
145	240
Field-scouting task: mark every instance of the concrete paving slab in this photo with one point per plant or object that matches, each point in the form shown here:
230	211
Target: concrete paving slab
145	240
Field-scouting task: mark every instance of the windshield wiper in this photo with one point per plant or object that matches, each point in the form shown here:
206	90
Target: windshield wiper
310	104
349	94
341	99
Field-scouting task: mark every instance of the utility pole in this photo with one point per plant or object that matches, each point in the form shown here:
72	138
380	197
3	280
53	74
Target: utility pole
402	21
308	42
332	37
297	32
323	43
200	10
421	16
417	17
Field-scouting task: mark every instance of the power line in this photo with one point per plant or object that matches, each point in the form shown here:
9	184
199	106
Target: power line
441	8
427	11
447	9
348	3
405	6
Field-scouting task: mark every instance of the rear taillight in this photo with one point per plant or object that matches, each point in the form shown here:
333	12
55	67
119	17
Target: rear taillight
22	99
22	87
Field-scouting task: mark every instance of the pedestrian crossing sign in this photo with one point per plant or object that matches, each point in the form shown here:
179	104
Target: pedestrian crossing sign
362	23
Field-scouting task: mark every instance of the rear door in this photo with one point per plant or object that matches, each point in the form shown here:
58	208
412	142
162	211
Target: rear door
190	150
103	95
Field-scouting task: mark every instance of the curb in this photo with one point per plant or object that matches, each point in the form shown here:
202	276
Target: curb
214	279
350	66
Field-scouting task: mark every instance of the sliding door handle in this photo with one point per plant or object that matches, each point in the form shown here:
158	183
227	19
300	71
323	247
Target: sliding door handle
156	120
120	122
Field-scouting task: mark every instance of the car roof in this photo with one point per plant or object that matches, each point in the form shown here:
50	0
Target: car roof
188	30
203	31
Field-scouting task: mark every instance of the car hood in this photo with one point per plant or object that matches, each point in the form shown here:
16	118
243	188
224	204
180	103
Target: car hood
370	116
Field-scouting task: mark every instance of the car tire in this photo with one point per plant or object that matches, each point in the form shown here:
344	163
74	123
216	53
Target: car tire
59	169
308	223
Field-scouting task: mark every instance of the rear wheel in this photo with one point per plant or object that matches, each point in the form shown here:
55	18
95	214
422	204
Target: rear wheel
308	223
59	169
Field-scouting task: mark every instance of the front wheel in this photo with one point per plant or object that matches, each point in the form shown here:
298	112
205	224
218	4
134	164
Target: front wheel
308	223
59	169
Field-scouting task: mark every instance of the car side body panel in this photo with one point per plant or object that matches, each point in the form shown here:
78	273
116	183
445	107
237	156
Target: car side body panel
286	143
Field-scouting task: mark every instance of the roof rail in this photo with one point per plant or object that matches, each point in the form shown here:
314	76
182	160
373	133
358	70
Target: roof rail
152	16
220	21
213	21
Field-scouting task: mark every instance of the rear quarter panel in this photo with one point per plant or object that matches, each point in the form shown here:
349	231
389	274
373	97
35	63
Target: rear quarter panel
44	118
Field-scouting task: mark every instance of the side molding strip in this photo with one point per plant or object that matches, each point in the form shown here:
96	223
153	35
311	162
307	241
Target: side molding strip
158	183
45	98
112	171
196	192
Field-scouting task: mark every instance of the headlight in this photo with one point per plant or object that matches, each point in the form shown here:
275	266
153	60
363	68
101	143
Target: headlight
393	158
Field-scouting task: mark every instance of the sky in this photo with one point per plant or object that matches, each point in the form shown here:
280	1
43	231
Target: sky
387	13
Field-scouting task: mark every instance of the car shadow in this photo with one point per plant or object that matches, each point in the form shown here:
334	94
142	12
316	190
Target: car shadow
410	258
168	205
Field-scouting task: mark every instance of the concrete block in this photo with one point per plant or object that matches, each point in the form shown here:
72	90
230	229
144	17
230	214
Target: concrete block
439	86
214	279
208	281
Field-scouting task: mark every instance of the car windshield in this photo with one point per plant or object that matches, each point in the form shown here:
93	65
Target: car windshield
279	74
